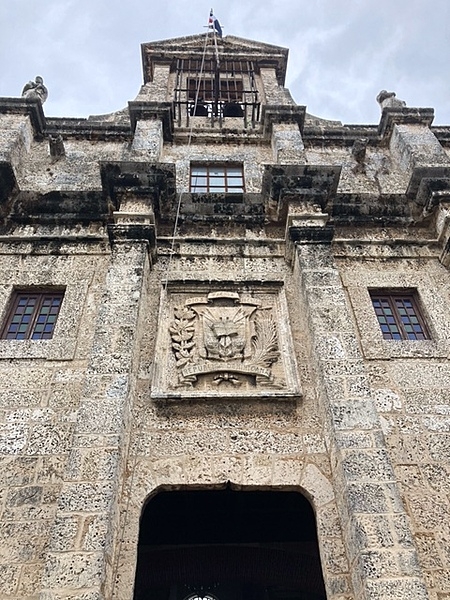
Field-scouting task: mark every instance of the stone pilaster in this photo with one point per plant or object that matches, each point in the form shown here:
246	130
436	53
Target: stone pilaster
148	139
273	91
382	557
79	561
287	144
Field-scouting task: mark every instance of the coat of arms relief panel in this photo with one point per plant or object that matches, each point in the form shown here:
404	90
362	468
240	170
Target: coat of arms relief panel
224	342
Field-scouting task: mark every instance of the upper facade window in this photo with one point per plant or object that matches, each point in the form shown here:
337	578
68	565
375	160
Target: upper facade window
32	315
204	90
228	179
399	315
229	90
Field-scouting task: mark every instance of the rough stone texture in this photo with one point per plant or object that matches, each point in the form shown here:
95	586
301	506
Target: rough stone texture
94	421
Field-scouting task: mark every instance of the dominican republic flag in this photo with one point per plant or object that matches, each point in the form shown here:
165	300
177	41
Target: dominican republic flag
214	23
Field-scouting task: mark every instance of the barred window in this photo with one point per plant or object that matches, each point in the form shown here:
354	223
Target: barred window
230	90
32	315
217	178
399	315
201	90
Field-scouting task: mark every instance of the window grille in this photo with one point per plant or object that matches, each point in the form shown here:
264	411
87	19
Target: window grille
32	315
206	91
399	315
227	179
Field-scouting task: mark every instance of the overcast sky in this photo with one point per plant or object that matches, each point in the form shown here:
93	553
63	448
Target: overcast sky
342	52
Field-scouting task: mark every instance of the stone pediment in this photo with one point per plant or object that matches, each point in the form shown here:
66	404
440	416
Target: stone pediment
231	47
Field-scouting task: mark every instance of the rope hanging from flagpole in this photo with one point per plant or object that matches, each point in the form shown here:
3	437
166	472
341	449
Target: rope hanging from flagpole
165	283
177	216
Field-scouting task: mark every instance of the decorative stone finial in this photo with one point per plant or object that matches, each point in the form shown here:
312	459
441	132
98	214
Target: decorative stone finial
388	100
35	90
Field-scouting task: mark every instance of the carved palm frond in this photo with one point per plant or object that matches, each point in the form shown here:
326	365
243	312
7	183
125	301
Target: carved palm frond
182	331
265	342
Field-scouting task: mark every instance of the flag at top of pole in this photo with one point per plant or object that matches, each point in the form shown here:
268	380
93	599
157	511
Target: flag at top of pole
213	23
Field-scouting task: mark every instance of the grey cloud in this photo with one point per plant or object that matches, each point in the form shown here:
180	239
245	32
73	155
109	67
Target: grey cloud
342	52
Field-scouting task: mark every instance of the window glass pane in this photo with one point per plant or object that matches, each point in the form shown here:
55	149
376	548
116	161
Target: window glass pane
32	315
199	171
199	180
216	178
217	182
398	316
234	172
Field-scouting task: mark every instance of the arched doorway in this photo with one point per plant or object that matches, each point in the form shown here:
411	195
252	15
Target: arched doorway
228	545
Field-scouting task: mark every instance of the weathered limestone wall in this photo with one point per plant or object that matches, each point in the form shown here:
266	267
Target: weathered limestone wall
410	380
42	390
250	442
79	170
85	531
377	537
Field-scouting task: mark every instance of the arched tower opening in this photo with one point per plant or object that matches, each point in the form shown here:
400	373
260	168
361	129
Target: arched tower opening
228	545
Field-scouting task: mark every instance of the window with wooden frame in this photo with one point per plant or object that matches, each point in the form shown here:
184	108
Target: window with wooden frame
32	314
399	315
212	178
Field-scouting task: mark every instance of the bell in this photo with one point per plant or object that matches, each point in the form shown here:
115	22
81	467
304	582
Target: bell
232	109
199	110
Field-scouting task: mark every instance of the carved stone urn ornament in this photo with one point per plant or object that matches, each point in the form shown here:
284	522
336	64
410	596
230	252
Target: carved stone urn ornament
225	336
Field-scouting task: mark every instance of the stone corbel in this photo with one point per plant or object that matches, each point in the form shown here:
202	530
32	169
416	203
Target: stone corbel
282	183
138	193
300	196
427	187
26	106
121	233
162	111
403	116
142	178
306	224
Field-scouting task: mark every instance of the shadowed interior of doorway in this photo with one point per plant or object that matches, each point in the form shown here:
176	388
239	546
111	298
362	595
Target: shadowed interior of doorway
228	545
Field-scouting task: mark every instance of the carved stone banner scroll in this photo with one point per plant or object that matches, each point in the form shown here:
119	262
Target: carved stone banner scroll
224	343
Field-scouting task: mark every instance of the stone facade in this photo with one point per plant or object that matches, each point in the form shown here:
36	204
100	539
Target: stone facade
207	338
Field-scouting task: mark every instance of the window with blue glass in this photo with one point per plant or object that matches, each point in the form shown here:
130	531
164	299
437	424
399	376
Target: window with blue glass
32	315
399	315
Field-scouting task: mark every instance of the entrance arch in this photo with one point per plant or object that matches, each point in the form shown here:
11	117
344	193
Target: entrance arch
228	545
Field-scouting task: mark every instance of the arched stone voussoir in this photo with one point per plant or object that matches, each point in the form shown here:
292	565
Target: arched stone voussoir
316	486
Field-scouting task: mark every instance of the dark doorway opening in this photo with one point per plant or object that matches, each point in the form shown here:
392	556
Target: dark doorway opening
228	545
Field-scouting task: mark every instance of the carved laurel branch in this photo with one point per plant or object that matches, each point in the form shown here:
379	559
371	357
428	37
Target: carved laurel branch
182	330
265	342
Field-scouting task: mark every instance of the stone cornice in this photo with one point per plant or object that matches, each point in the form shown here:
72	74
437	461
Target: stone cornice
403	116
29	107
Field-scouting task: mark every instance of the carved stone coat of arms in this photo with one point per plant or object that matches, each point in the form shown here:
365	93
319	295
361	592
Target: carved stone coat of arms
224	342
